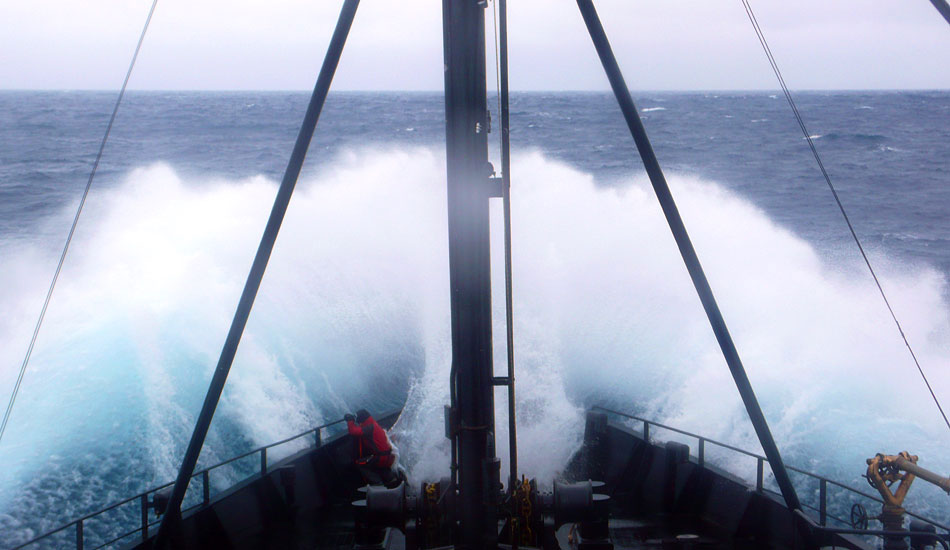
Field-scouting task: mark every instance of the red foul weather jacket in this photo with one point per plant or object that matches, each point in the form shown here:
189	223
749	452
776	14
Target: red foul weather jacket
373	445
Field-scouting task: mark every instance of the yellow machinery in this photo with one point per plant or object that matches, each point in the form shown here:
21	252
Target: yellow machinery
883	472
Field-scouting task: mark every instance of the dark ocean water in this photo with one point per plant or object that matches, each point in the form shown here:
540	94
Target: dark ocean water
887	152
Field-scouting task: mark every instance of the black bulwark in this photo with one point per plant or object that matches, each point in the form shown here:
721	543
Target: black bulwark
468	170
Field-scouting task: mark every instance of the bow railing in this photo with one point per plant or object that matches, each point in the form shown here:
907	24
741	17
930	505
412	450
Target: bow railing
142	529
823	482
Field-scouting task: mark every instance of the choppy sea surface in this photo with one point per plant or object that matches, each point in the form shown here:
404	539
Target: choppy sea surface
353	311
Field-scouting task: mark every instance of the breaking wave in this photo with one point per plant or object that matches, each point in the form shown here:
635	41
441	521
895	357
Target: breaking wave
857	137
353	312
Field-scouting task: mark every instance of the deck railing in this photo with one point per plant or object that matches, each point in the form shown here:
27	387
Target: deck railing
823	482
77	525
142	529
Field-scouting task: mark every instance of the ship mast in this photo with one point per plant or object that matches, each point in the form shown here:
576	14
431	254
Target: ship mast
468	171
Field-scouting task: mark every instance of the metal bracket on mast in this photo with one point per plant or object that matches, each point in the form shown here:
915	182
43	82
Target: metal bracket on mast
494	187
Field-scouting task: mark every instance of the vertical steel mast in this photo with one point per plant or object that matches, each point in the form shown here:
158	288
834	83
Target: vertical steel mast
468	172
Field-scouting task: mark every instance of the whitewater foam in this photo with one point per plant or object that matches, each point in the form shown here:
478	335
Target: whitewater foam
353	312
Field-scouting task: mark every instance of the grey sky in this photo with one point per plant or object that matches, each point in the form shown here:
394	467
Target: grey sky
662	44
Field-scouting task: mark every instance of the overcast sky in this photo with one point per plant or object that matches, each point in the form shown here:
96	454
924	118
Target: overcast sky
396	44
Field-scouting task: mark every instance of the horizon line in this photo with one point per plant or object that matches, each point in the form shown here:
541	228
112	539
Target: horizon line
439	90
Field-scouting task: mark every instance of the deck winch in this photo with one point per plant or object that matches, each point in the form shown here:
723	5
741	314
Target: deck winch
531	517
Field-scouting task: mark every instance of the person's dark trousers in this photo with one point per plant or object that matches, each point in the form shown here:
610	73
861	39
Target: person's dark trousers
377	476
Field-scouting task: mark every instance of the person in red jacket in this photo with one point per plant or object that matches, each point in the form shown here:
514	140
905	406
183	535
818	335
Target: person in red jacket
374	453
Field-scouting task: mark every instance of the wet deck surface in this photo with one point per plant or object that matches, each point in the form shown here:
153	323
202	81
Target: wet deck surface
335	532
332	531
631	534
332	528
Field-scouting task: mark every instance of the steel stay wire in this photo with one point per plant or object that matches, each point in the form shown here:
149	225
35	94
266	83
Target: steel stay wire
834	192
685	246
943	7
72	229
497	62
167	528
501	73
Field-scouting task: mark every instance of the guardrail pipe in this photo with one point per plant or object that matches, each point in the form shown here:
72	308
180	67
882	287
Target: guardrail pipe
287	184
142	497
759	474
662	190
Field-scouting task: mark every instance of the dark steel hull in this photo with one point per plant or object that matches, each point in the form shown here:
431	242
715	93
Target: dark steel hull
309	508
661	498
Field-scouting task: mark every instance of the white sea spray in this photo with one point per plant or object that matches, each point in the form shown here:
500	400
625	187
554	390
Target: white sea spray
353	312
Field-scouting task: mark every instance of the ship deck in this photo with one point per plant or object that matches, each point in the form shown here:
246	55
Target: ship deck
335	531
660	497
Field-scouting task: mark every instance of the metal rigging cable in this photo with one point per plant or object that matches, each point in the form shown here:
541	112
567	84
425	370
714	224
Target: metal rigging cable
72	229
943	8
497	55
501	56
168	530
834	192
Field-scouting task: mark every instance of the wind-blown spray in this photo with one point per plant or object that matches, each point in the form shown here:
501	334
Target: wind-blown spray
354	313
